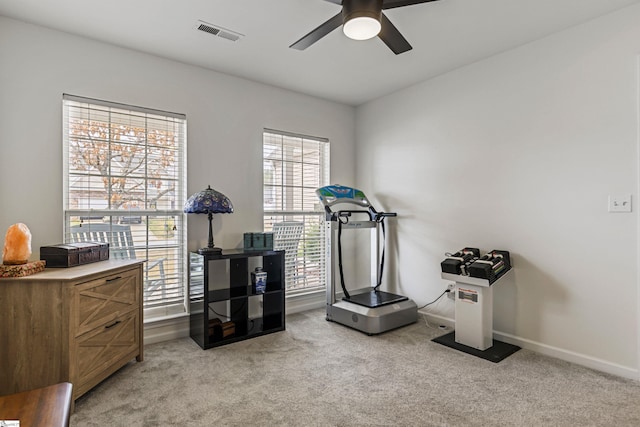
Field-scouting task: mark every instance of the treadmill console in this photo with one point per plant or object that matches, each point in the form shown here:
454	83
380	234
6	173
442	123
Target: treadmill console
332	194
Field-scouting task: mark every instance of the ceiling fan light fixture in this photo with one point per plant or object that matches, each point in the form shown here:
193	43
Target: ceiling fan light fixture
361	19
361	28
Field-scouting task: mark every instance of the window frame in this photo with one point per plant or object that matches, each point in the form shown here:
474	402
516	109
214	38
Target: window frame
149	215
311	215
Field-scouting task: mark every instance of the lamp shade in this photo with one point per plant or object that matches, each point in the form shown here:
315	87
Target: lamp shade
208	201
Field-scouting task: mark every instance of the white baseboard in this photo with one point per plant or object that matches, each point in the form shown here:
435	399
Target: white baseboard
438	320
304	302
166	330
569	356
547	350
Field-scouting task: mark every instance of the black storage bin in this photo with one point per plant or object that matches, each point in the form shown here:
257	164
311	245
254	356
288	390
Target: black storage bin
73	254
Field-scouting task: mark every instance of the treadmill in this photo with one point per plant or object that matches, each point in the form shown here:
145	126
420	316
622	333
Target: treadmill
367	309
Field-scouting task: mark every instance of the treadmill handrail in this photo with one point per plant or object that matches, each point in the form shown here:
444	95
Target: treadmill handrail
347	213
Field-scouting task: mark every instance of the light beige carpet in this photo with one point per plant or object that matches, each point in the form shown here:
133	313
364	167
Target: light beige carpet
318	373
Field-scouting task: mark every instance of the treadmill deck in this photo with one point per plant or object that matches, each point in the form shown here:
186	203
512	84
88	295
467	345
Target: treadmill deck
373	299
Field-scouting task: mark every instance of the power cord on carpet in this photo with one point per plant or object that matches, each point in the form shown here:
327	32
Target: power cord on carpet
424	315
435	300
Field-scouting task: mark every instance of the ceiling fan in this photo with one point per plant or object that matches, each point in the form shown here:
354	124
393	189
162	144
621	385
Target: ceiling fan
362	20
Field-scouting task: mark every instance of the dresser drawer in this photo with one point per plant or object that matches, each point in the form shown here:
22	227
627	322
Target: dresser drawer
105	299
103	350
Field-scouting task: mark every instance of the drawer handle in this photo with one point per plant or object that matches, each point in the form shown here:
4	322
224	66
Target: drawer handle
112	325
115	278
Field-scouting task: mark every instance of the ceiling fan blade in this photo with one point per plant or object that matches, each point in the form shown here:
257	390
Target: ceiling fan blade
390	4
390	35
334	1
318	33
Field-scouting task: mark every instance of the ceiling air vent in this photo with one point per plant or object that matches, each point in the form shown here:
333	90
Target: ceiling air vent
217	30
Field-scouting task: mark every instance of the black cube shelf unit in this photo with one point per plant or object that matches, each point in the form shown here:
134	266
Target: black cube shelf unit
225	307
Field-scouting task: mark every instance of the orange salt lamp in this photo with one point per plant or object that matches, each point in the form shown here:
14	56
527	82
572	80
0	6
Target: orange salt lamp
17	245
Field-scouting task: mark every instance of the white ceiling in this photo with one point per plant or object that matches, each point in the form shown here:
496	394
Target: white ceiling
445	35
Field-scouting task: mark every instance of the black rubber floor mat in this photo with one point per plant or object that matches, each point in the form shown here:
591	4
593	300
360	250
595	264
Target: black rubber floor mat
496	353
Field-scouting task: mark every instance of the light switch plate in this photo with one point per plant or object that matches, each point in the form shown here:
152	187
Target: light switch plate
620	203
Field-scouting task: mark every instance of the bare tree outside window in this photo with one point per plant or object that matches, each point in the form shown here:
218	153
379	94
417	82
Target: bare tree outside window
125	172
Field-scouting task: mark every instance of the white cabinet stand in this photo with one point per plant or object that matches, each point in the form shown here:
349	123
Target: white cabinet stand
474	310
474	319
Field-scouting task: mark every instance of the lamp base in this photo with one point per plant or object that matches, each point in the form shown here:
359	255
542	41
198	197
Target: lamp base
209	251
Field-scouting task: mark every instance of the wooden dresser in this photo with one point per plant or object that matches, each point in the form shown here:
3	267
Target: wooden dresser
76	325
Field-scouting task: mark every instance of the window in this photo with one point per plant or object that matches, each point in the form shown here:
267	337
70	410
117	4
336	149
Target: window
294	166
124	183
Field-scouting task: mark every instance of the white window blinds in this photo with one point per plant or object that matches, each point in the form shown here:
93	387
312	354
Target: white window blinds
125	184
294	166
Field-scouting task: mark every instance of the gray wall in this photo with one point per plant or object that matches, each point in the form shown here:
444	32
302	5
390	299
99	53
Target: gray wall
520	152
226	116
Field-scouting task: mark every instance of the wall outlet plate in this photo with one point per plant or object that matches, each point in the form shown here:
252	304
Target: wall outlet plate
620	203
452	290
